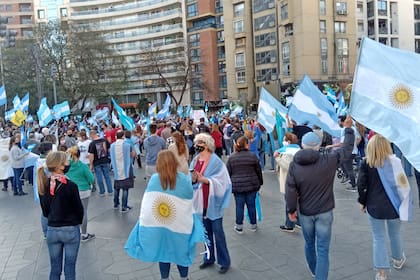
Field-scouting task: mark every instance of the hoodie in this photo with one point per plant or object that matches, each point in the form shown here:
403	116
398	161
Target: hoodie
310	181
153	145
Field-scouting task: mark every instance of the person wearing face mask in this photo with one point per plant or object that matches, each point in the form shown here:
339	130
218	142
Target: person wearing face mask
284	156
212	188
60	203
17	156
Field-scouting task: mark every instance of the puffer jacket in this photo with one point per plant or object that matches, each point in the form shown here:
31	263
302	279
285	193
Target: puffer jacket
245	172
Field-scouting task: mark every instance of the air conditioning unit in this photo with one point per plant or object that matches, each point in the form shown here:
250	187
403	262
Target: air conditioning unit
271	23
272	42
272	59
271	5
288	33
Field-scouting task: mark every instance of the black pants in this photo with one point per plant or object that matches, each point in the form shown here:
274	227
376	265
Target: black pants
347	166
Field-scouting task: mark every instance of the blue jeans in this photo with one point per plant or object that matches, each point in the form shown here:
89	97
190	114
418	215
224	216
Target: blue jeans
166	267
30	174
316	231
380	254
228	146
241	199
103	170
117	198
216	228
262	159
44	224
17	181
417	174
65	238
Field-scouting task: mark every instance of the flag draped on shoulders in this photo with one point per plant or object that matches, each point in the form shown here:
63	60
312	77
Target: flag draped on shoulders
120	159
168	229
385	96
310	106
397	188
220	188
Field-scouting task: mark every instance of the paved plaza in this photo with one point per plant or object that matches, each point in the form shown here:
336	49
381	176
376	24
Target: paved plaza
265	254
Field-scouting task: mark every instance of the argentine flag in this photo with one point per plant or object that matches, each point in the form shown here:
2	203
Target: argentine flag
3	97
44	114
267	107
386	96
165	110
16	102
310	106
168	229
8	115
61	110
125	120
24	103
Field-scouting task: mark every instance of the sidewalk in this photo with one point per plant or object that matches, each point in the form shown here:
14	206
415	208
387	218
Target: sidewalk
265	254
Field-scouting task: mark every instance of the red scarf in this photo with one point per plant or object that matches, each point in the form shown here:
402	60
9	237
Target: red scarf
61	178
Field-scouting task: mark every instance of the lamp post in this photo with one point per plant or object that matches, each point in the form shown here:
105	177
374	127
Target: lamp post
53	76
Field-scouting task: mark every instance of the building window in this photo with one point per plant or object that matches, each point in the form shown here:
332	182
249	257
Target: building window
63	12
370	9
359	7
394	42
322	8
221	66
382	7
267	74
268	21
383	26
417	28
266	57
220	21
285	52
266	39
220	36
288	29
339	27
417	45
240	77
341	8
284	12
322	26
416	11
194	40
238	26
221	53
262	5
342	46
324	55
360	26
195	54
222	81
238	9
41	14
9	8
192	10
240	60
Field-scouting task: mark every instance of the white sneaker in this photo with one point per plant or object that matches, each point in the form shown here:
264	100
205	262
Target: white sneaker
379	277
399	264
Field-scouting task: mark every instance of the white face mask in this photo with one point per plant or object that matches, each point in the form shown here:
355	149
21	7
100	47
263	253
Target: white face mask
285	143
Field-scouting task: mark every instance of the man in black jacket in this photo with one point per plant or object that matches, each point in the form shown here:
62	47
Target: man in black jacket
310	183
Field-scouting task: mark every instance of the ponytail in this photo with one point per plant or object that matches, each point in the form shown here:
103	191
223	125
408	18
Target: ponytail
42	179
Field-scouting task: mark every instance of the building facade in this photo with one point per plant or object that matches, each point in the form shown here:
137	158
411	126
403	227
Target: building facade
50	10
20	14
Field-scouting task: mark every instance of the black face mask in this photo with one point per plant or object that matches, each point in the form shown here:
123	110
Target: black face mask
199	149
66	169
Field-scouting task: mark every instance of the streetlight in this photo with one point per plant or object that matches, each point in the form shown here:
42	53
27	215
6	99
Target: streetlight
53	77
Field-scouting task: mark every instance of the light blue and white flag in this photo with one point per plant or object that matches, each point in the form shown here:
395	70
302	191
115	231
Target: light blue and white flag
44	113
16	102
330	94
180	111
168	229
397	188
115	119
188	111
386	96
125	120
3	97
310	106
152	109
61	110
267	110
24	103
8	115
342	106
206	107
101	114
29	119
165	111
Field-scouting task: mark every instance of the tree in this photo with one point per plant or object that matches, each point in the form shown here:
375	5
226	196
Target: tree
84	65
173	72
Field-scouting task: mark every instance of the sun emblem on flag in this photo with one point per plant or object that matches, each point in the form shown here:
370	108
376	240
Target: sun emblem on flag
401	97
402	180
164	210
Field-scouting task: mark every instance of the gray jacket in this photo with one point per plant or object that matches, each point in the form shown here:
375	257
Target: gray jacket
17	157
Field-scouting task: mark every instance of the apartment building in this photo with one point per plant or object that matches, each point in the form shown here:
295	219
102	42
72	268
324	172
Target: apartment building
317	38
20	15
50	10
138	30
207	55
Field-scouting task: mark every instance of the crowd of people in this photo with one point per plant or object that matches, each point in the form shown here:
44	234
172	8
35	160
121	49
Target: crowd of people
193	168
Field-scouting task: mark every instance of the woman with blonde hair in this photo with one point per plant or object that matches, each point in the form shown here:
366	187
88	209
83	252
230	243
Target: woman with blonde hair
80	174
60	203
384	194
180	150
166	211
